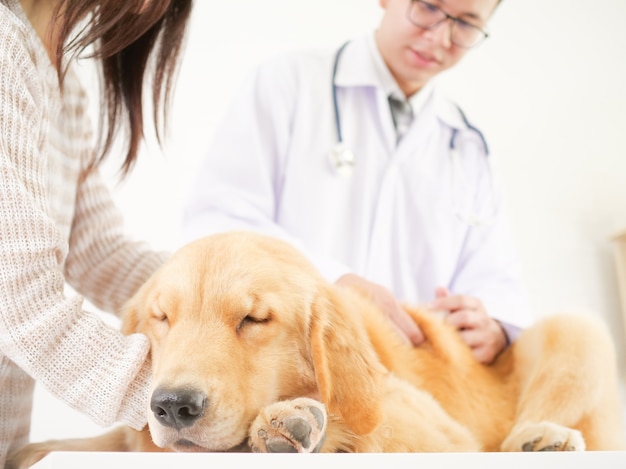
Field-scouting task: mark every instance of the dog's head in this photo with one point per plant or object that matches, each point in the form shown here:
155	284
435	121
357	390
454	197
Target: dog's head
237	321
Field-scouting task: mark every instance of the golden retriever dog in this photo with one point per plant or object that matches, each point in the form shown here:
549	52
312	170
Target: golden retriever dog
253	350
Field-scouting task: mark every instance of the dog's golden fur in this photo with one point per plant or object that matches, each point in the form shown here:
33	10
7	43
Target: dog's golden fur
247	321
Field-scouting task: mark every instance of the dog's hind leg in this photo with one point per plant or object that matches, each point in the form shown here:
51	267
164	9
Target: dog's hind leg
568	395
414	421
119	439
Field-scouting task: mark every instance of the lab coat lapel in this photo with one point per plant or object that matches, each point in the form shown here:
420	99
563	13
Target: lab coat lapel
357	69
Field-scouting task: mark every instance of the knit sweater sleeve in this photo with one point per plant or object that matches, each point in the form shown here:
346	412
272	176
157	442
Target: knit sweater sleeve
103	264
71	352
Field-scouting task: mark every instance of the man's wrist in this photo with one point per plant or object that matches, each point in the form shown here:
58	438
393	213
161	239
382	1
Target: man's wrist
510	331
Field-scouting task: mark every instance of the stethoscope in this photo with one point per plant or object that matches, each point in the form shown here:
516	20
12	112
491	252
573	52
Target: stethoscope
343	159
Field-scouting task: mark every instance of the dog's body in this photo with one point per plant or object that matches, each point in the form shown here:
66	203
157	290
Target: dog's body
252	349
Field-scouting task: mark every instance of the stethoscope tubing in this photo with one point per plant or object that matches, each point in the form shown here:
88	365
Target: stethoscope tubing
473	129
345	167
452	143
334	91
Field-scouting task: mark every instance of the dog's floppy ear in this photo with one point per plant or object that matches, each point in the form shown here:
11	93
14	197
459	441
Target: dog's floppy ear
133	311
348	372
130	316
132	320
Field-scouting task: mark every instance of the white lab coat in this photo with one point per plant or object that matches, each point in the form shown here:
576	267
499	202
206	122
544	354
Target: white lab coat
394	220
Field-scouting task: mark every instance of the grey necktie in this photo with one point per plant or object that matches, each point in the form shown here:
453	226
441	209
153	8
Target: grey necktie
402	114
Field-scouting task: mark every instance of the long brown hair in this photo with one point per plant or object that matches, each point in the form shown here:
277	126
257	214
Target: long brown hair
135	45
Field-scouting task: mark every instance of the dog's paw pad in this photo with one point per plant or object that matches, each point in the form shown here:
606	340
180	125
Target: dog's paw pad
280	446
300	430
294	432
320	417
296	426
544	436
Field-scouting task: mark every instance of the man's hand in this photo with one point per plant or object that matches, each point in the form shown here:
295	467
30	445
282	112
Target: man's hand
382	297
481	333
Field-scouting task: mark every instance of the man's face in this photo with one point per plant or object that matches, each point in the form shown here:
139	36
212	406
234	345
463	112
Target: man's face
414	55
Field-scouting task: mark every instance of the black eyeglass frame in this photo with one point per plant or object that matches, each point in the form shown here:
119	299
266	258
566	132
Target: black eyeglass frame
446	17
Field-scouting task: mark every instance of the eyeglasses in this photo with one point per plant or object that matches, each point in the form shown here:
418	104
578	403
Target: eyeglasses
428	16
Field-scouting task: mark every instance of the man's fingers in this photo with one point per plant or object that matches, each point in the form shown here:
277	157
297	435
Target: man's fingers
464	319
472	337
441	292
407	326
485	343
483	354
482	350
455	302
415	335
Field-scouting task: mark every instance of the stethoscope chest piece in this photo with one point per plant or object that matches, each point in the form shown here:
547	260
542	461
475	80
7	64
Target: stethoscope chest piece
342	160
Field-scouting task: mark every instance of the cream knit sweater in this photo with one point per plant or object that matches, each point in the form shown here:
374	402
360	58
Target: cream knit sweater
57	228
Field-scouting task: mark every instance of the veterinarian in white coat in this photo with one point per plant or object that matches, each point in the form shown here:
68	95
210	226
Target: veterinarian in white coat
415	214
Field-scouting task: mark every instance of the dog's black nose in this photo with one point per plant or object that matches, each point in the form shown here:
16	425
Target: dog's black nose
177	408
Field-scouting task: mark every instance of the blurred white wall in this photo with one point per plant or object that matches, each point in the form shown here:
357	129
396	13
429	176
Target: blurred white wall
547	89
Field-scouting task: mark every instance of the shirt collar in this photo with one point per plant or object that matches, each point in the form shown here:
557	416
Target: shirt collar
362	65
389	84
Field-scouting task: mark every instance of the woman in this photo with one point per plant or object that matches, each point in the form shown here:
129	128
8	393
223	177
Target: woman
58	223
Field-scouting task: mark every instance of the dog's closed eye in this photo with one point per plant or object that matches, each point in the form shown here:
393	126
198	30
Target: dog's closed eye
160	320
251	320
159	314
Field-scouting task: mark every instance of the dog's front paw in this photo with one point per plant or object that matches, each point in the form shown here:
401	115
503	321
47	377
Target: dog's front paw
544	436
294	426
